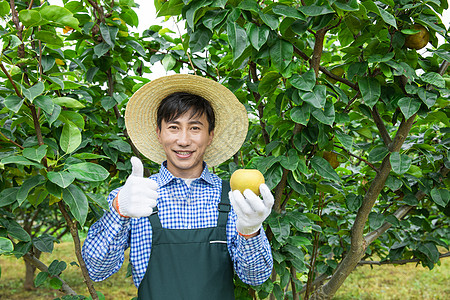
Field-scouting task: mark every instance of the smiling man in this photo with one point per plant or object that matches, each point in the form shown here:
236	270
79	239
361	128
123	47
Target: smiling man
185	238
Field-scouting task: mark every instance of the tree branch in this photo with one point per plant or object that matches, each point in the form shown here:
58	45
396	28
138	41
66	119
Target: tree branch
358	243
254	77
359	158
11	141
76	240
381	128
397	262
41	266
18	93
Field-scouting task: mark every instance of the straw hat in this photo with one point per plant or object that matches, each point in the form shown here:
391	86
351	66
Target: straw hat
231	117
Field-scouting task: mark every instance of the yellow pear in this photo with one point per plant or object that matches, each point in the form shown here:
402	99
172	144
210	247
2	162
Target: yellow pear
419	40
243	179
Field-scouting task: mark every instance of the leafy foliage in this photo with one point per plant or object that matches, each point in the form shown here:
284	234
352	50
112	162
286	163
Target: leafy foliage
69	71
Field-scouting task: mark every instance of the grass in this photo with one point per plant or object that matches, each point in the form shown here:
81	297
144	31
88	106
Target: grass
365	283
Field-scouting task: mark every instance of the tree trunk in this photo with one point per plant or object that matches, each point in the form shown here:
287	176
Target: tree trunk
30	269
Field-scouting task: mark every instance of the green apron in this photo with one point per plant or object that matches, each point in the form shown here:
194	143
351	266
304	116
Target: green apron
190	264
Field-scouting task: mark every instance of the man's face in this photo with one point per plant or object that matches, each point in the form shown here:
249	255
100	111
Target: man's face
185	141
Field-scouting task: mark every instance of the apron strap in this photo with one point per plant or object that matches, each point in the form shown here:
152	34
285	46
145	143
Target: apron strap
224	206
154	219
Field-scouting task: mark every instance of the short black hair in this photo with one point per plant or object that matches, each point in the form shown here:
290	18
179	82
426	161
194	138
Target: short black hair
179	103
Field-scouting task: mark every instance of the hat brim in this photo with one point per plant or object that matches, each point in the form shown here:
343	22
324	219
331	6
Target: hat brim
230	116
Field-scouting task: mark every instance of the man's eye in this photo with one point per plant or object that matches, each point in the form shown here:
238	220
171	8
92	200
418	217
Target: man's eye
195	128
173	127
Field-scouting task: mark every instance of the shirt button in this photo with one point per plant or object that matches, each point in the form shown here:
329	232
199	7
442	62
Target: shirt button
247	247
116	226
178	180
189	226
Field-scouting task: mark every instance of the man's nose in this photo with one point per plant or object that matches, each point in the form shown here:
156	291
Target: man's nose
184	138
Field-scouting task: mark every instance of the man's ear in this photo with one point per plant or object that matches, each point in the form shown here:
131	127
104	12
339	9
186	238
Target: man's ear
158	133
211	137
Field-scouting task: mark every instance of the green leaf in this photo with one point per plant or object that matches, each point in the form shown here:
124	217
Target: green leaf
301	114
44	242
378	153
136	46
280	229
214	17
317	97
67	102
55	283
393	220
35	154
400	162
434	79
430	250
88	171
29	184
237	37
440	196
345	140
370	90
270	20
287	11
101	49
198	40
75	198
120	145
258	35
17	232
268	83
194	6
442	53
100	200
49	37
13	103
8	196
281	54
409	106
5	245
70	138
19	160
59	15
376	220
4	10
109	34
34	91
353	202
273	176
290	161
388	18
427	97
325	116
351	5
56	267
62	178
410	199
89	156
168	62
316	10
28	17
40	278
324	169
45	103
304	82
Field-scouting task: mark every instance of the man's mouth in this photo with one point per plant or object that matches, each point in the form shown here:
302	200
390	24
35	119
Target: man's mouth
184	154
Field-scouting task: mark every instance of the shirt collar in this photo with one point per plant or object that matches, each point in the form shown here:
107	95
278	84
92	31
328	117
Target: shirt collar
165	176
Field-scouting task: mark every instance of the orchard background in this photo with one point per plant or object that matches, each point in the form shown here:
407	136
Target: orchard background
349	124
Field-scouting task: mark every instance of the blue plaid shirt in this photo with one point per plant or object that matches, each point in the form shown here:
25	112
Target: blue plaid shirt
180	207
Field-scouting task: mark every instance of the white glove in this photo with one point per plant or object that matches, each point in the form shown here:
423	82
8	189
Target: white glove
251	211
138	196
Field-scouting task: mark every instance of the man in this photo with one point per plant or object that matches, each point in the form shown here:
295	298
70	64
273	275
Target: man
184	238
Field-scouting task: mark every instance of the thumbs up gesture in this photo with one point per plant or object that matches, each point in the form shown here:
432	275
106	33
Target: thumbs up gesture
138	196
